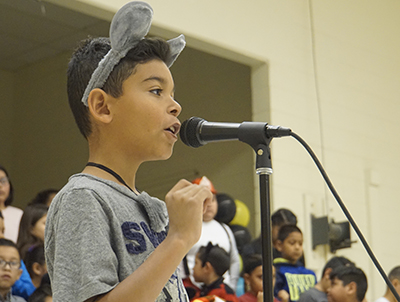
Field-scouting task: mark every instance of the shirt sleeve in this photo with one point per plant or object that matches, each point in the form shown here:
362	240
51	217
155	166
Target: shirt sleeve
81	257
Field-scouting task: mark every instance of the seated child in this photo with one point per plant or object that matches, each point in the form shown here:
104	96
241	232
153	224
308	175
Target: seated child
394	277
318	292
23	287
210	264
291	277
253	278
349	284
35	263
42	294
10	269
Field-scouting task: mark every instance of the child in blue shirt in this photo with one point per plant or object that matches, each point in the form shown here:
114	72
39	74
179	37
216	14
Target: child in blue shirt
291	277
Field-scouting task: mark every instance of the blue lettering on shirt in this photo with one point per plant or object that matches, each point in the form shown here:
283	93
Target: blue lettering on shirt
133	231
129	231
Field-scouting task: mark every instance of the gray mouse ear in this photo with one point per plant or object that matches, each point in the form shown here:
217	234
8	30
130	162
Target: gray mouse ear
130	24
176	46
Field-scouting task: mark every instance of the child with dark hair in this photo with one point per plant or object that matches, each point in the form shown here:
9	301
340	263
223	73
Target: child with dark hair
44	197
318	292
210	264
394	277
10	269
32	226
279	218
35	263
349	284
253	277
106	240
42	294
291	277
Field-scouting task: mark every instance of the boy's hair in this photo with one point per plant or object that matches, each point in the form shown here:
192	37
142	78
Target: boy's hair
286	230
10	197
348	274
41	293
283	216
7	242
34	254
85	60
216	256
251	263
1	215
336	262
32	214
394	274
43	196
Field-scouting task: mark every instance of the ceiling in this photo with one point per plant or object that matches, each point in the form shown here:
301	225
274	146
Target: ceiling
31	30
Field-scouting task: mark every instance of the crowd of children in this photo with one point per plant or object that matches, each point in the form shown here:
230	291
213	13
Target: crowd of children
105	240
23	275
25	278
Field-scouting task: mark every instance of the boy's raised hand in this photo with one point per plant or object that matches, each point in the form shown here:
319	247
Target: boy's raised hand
186	203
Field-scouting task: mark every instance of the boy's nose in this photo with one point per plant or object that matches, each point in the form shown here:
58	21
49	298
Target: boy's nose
176	108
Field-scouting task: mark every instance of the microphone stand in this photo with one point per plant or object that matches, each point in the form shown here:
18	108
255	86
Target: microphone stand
255	135
264	171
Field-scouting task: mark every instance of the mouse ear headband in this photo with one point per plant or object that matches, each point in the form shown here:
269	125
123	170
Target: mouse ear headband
128	26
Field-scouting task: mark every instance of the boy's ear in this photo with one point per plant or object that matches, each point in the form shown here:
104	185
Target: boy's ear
327	274
279	245
19	274
37	268
246	278
98	103
352	288
208	267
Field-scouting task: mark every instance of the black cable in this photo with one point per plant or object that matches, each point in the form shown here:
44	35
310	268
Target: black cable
347	213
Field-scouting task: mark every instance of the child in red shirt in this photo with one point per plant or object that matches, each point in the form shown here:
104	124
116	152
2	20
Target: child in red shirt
210	264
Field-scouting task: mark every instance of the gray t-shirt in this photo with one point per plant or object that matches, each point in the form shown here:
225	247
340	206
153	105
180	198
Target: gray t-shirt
313	295
97	233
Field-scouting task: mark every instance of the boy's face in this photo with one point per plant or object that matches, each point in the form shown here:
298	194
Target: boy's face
292	247
211	209
338	292
144	117
255	280
38	229
198	271
9	273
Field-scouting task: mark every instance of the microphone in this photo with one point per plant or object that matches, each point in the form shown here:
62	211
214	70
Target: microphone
196	132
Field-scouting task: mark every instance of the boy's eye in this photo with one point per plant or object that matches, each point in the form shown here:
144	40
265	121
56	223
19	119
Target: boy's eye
156	91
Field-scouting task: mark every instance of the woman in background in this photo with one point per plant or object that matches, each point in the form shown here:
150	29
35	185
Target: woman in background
12	215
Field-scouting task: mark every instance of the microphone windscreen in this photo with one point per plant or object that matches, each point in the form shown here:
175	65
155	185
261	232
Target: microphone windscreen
188	132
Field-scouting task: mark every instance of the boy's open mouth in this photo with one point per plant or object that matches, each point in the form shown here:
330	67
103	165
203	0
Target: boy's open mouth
174	129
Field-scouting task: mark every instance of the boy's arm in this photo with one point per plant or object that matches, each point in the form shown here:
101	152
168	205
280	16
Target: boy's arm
185	208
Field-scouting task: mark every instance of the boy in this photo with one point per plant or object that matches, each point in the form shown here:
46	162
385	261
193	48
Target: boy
10	269
216	233
394	277
210	264
291	277
349	284
318	292
253	278
106	241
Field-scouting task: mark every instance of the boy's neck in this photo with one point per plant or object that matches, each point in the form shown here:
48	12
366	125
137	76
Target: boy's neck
211	279
4	293
389	296
125	170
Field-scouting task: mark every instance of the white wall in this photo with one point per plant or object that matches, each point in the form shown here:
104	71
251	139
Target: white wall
334	74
